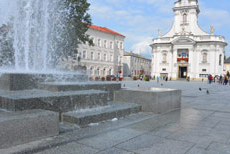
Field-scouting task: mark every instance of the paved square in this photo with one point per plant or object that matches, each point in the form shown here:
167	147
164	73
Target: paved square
200	127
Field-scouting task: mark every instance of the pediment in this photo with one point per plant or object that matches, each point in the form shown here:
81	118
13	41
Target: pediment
183	41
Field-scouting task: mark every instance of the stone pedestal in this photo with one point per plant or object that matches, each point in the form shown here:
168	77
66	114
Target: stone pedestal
156	100
23	127
20	81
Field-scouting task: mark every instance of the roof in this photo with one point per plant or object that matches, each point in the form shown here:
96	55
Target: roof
135	55
106	30
227	61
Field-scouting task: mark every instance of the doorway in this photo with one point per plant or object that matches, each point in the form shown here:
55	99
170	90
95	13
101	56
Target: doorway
183	72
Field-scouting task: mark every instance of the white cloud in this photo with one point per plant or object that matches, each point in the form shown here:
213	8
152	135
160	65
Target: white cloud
142	47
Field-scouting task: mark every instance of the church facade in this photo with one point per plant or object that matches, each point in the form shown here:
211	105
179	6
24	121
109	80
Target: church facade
186	50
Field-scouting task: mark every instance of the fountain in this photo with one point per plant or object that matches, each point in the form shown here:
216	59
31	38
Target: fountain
35	94
34	90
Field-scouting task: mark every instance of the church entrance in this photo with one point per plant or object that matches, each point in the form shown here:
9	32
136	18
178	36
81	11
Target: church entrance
182	72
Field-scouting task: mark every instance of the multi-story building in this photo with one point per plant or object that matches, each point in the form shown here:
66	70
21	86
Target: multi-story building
227	65
186	50
105	57
135	65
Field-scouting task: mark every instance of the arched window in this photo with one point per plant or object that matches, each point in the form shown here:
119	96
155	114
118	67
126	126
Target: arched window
97	71
220	60
184	18
205	57
91	71
164	58
104	72
110	71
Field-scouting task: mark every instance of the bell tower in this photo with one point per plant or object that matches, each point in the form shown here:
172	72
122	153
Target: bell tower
186	19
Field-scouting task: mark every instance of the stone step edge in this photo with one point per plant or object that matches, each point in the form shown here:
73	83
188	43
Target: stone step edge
108	113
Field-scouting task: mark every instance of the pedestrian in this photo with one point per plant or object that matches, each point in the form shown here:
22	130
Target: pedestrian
220	79
210	78
158	79
226	80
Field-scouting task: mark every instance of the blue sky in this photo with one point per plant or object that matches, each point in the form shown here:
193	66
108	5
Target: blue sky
139	20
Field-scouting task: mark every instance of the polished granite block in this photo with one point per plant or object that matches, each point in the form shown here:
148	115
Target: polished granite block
157	100
54	101
22	127
23	81
110	87
94	115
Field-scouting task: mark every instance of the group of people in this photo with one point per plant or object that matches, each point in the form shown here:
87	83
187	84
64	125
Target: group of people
222	79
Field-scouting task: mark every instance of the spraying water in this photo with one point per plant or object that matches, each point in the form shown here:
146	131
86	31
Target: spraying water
34	27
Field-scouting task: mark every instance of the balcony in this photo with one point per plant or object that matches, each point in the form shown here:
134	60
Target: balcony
182	59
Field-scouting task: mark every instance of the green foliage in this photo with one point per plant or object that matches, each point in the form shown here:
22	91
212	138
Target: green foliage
77	23
6	45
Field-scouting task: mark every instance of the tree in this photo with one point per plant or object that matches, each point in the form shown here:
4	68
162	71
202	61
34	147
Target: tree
77	22
6	45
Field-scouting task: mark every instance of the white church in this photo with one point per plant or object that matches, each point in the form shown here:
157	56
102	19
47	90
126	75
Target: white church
186	50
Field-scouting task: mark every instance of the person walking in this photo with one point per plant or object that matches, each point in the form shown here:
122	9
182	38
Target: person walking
158	79
227	78
220	79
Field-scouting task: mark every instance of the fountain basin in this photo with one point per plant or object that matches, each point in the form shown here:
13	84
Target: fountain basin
25	81
156	100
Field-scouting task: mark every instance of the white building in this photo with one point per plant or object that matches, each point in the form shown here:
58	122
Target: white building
135	65
105	57
186	50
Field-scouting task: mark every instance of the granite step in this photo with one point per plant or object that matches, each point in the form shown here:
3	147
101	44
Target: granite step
54	101
110	87
94	115
26	126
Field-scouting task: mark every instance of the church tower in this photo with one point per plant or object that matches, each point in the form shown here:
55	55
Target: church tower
186	19
186	51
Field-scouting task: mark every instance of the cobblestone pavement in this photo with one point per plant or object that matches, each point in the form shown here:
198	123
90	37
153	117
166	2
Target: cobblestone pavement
202	126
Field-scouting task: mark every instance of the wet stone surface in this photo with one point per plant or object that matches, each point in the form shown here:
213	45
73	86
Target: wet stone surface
200	127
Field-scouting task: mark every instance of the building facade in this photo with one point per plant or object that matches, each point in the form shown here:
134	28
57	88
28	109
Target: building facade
227	65
135	65
105	57
186	50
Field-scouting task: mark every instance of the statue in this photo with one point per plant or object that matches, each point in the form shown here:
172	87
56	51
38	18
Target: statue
183	30
159	33
212	30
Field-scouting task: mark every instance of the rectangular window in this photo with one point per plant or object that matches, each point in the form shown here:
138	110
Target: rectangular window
84	55
105	57
111	45
99	56
105	44
204	70
111	58
99	42
121	45
163	69
91	56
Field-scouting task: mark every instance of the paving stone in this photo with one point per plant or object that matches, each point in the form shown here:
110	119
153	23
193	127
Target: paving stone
109	139
196	150
222	148
71	148
115	151
146	144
